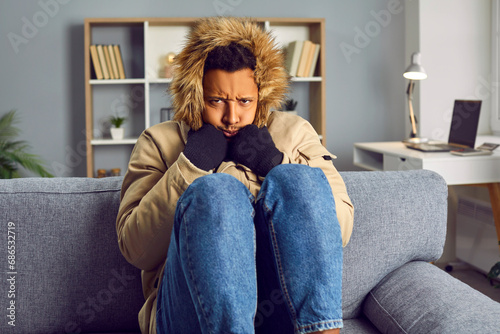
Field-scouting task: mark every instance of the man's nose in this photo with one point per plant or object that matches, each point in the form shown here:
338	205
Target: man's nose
231	114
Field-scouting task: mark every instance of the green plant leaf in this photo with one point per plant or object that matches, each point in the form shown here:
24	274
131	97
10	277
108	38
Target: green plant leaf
7	130
117	121
14	153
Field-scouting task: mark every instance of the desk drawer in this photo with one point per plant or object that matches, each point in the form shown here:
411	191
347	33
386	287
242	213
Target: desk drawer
399	163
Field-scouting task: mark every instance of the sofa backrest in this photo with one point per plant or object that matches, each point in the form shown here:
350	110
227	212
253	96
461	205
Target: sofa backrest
69	275
399	217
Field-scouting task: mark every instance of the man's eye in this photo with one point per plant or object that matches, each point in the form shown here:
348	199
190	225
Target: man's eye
216	101
245	101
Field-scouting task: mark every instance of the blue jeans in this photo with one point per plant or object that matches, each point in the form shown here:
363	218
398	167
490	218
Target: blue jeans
240	265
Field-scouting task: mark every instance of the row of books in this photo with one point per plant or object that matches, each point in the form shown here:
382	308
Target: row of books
301	58
107	61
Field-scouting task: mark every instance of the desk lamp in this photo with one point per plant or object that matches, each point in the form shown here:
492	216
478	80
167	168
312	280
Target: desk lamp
414	72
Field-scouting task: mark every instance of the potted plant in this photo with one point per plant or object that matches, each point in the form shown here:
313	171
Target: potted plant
117	131
13	152
289	106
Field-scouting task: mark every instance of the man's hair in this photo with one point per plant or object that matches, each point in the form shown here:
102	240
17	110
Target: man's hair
231	58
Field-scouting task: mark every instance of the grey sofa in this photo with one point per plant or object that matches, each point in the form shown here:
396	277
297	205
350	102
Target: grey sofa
68	276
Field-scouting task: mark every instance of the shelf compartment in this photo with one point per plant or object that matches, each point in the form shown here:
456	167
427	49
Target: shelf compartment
109	157
122	100
130	38
300	29
159	98
161	40
368	159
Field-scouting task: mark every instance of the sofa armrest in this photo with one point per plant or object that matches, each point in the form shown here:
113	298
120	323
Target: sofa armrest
71	276
399	217
421	298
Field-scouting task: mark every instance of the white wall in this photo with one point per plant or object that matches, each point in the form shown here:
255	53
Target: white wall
454	38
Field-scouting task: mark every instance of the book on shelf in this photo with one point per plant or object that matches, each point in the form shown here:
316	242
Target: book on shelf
292	58
314	60
107	61
301	58
119	61
102	61
95	61
112	57
304	56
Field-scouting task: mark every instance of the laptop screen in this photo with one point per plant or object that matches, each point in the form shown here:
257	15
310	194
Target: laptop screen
464	122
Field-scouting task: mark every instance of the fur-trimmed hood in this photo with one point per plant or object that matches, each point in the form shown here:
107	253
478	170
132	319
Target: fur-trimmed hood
187	84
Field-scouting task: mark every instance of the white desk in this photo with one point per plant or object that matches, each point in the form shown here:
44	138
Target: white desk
456	170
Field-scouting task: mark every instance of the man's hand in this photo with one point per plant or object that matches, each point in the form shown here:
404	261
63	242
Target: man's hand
206	148
254	148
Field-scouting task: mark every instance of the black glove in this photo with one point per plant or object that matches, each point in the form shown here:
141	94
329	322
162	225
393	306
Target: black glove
206	148
254	148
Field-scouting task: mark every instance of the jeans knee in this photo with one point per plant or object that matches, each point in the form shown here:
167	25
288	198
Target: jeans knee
213	191
212	203
287	170
298	177
217	185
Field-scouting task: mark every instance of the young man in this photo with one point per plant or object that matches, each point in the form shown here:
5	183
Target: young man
235	214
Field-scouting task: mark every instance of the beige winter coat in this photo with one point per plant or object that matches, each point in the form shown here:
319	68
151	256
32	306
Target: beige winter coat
159	173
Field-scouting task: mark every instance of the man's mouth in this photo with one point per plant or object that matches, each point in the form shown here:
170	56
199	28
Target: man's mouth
229	133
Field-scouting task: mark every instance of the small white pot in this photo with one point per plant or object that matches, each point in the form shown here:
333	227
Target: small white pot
117	133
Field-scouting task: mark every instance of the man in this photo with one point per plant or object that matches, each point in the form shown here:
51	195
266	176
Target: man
233	229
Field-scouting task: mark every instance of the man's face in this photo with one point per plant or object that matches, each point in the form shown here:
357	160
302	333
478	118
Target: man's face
230	100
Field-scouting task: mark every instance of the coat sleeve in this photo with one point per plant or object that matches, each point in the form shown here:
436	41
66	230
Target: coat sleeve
151	187
303	146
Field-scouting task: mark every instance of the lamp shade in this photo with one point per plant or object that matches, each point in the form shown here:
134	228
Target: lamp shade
415	71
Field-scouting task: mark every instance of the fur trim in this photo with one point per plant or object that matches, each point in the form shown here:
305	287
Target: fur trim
270	74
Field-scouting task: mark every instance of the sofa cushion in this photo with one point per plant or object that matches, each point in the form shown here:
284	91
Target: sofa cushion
69	275
398	217
430	301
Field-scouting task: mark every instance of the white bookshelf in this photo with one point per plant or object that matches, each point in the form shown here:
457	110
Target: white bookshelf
144	42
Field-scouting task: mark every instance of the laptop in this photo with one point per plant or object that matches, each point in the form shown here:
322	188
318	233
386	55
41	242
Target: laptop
463	129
